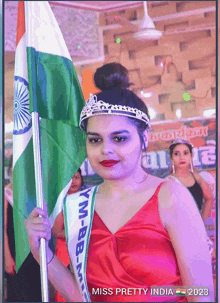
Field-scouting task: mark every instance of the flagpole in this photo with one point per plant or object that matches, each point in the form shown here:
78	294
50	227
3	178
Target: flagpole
40	203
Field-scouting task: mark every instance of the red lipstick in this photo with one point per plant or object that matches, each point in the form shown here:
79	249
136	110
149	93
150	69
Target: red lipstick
109	163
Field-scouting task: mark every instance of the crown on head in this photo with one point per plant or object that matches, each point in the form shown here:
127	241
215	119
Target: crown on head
181	141
94	108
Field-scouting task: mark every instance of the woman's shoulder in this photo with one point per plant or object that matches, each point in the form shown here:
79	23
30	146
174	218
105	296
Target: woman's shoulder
153	179
174	197
198	177
171	191
152	182
172	177
151	186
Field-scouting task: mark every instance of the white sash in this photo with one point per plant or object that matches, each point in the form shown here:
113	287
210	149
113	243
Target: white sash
78	217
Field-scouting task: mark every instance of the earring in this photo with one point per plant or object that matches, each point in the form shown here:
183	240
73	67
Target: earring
173	168
191	166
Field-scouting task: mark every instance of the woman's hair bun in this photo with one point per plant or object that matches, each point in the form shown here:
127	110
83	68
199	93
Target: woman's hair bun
111	75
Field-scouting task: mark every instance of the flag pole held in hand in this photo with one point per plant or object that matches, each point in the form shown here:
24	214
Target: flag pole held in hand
40	204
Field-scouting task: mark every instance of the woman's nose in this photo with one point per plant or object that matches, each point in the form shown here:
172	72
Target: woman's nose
181	157
107	147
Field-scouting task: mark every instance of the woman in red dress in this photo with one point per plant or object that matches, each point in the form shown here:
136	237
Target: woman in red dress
141	235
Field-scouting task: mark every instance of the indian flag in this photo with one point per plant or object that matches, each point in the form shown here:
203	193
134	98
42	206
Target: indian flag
45	81
180	292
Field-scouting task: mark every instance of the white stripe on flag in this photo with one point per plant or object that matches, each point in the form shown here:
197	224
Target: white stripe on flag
59	204
46	29
20	141
21	59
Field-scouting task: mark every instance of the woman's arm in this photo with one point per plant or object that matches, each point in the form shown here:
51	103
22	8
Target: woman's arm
207	194
62	279
185	227
58	230
10	266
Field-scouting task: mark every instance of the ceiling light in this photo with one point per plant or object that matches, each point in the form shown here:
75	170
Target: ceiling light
146	94
147	29
178	113
152	113
148	34
209	112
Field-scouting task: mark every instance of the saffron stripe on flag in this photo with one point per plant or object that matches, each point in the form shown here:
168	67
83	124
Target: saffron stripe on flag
21	22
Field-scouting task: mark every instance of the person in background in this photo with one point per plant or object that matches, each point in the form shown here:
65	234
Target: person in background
9	247
77	183
182	171
58	230
141	226
25	285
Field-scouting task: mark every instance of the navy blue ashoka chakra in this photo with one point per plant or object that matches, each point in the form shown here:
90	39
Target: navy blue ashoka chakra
22	117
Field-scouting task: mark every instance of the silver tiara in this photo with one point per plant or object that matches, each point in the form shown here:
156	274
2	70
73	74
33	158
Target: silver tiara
181	141
94	108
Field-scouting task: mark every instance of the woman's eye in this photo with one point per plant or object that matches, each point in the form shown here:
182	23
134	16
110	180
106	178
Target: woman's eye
120	139
186	153
176	154
94	140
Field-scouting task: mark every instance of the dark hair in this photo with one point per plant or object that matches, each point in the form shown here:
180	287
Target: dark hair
172	146
80	172
7	181
10	165
113	80
141	127
125	97
111	75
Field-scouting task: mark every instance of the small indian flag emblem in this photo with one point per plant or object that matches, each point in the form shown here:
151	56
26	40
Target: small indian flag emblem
180	292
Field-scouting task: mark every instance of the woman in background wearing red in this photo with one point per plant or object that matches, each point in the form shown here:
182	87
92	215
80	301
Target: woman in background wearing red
59	232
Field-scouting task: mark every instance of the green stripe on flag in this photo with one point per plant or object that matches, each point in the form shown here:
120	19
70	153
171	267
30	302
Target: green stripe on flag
62	152
55	92
24	200
181	292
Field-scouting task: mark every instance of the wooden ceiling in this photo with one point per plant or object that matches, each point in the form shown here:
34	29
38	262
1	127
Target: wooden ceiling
158	10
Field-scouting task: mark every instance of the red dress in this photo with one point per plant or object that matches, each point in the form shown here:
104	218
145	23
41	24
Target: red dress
62	254
137	256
